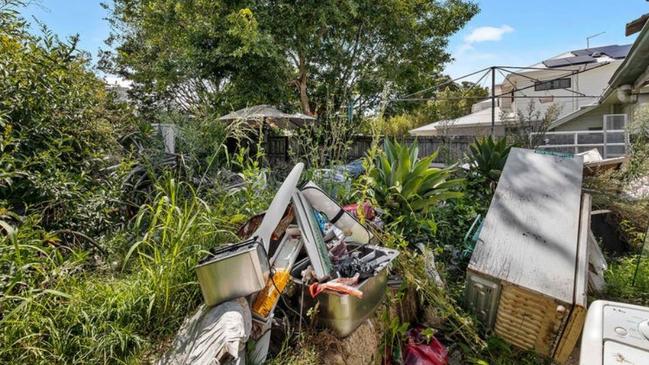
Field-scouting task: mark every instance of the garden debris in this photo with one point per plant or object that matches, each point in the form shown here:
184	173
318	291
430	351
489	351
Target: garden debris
233	271
529	270
212	335
339	285
343	314
424	349
336	214
366	210
345	277
595	164
351	265
597	266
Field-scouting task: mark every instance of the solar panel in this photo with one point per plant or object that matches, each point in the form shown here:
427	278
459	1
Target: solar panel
567	61
613	51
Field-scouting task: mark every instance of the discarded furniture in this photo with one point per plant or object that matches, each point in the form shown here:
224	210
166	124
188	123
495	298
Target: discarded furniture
595	164
615	333
342	313
527	278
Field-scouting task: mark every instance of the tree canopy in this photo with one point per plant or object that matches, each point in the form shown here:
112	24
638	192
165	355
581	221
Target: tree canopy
320	55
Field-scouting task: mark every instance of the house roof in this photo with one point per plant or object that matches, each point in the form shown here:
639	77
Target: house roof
634	65
588	55
481	118
636	25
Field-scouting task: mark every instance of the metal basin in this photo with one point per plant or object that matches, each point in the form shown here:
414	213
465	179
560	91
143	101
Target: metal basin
233	271
344	313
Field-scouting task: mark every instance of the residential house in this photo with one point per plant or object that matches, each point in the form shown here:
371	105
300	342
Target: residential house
627	89
568	82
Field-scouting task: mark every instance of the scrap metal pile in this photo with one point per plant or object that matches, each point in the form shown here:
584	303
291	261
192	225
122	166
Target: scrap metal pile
305	244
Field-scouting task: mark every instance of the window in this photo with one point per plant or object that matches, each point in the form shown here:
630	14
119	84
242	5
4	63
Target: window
552	84
614	121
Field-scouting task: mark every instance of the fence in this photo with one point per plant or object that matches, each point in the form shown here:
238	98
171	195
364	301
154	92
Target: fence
451	149
609	143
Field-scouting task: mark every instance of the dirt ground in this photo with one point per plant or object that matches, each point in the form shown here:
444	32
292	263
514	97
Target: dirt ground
359	348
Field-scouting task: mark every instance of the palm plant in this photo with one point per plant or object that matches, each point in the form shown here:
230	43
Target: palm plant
487	157
407	186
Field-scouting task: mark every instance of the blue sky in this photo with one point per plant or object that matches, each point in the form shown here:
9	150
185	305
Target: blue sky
505	32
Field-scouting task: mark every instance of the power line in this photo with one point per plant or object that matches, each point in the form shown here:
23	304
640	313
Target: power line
446	82
499	96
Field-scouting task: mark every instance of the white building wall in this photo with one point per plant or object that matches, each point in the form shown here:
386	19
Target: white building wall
591	82
593	120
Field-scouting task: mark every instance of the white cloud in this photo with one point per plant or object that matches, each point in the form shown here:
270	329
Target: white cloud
118	81
463	48
483	34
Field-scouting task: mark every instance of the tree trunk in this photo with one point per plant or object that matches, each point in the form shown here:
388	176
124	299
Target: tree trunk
301	81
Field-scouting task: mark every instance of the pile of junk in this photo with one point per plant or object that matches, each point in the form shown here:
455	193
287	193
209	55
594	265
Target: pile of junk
305	251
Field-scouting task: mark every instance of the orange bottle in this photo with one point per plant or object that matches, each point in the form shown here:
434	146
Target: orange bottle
268	297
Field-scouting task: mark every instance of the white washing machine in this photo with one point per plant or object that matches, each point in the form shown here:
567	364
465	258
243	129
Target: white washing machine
615	334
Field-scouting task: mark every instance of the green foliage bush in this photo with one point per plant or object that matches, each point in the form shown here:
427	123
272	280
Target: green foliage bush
80	281
487	157
61	130
63	305
619	280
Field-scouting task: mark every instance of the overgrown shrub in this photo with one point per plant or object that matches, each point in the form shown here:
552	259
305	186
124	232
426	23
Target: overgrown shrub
323	143
620	275
487	157
61	130
55	310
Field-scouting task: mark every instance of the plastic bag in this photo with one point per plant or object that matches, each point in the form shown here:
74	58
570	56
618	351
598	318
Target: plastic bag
420	350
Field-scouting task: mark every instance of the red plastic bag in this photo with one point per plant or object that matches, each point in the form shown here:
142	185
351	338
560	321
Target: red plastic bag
419	351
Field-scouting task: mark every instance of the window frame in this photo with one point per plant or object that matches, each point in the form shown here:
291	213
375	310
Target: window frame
554	84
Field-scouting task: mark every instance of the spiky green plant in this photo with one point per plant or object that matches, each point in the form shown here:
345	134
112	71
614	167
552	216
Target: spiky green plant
487	157
407	187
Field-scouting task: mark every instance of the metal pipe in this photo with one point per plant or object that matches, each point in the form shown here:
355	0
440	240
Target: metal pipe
493	100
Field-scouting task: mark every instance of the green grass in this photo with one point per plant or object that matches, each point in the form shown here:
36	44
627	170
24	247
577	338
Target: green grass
619	280
66	305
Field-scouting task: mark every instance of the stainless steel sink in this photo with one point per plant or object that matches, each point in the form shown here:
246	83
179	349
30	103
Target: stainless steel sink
344	313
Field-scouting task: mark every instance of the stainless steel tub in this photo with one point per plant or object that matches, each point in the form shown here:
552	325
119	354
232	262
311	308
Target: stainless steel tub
233	271
344	313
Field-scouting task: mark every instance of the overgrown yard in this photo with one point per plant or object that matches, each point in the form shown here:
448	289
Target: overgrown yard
101	230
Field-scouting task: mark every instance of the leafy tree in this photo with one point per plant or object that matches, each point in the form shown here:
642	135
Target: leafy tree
191	54
330	54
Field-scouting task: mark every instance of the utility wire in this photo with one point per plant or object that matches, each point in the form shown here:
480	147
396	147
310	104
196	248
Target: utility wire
573	72
446	82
